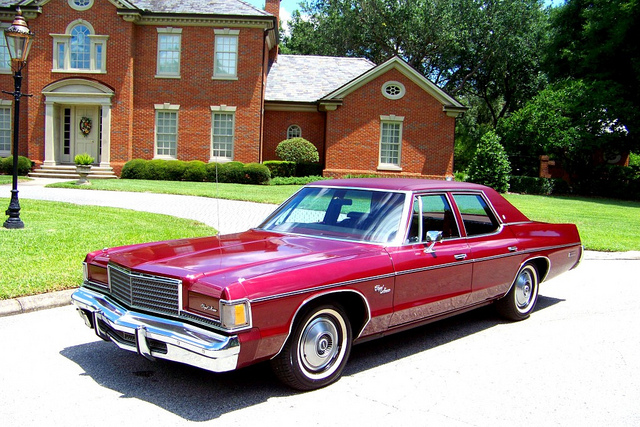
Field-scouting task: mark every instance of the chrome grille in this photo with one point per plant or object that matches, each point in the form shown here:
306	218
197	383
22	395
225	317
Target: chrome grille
145	292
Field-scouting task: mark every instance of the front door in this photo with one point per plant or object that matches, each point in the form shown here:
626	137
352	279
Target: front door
80	132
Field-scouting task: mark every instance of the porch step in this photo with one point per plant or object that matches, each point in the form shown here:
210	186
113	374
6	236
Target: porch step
69	172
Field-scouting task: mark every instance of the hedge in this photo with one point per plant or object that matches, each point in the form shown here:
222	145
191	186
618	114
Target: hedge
533	185
197	171
24	165
281	168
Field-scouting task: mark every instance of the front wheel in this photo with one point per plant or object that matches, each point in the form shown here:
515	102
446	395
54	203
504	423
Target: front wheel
521	299
317	350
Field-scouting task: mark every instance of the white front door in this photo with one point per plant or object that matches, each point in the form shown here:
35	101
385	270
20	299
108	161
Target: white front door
80	132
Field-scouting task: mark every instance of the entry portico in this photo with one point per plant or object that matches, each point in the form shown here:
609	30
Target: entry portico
77	120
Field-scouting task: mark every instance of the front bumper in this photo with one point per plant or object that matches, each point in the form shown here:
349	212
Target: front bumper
156	337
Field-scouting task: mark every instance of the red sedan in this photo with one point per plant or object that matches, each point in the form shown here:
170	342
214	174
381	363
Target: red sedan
340	262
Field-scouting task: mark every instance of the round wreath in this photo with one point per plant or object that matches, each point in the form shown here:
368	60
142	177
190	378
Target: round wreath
85	126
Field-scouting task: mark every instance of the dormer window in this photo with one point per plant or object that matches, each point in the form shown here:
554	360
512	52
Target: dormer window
80	4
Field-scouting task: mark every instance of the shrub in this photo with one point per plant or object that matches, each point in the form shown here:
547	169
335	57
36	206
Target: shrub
295	180
531	185
232	172
281	168
195	171
256	173
308	169
134	169
24	165
460	176
297	150
490	165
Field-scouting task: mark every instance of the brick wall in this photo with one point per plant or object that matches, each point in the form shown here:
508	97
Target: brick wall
277	123
353	131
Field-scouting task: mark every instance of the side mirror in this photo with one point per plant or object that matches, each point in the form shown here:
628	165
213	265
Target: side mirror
432	238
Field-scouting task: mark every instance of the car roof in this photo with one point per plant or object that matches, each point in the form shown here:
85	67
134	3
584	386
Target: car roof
400	184
507	212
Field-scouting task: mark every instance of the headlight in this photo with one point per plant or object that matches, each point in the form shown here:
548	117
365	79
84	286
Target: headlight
235	314
95	274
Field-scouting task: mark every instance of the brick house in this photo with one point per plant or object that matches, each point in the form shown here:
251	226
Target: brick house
194	80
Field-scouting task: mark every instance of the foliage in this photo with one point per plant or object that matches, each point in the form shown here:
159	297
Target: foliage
570	121
295	180
297	150
485	49
611	181
83	159
280	168
134	169
533	185
490	165
24	165
256	173
195	171
308	169
634	160
230	172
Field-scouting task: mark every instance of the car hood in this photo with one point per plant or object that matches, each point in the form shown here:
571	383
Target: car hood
232	257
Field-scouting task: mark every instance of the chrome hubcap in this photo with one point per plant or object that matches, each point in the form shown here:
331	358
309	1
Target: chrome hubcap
319	344
524	288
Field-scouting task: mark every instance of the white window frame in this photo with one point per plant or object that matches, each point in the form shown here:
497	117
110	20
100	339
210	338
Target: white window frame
6	105
5	67
165	108
220	36
97	62
174	32
294	131
73	5
402	91
222	109
384	164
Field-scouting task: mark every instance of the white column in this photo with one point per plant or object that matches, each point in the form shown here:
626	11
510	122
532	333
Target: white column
105	153
49	135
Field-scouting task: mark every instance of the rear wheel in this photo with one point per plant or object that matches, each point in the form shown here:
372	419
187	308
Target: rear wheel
521	299
317	350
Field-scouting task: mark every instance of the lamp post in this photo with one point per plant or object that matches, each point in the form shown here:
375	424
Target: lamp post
19	40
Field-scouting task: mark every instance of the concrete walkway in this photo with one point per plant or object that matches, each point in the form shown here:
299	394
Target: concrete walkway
228	216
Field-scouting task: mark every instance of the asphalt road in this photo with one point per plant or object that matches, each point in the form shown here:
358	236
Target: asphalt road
576	361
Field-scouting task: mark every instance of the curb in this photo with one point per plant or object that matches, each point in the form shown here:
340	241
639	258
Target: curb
35	302
61	298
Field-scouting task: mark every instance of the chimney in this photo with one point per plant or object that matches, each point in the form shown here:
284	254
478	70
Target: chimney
273	7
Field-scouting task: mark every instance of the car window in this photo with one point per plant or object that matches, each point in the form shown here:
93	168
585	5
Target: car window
477	217
362	215
432	213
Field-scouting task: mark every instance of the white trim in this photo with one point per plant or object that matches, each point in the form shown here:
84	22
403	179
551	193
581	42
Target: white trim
223	109
74	6
393	120
168	31
226	33
400	95
299	131
165	108
6	104
64	41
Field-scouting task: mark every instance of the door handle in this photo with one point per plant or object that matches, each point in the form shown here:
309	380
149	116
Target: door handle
513	248
460	257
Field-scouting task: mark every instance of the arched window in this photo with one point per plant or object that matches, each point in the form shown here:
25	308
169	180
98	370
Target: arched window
294	131
80	46
79	49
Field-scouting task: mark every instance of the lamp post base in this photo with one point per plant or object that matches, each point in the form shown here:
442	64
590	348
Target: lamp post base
14	221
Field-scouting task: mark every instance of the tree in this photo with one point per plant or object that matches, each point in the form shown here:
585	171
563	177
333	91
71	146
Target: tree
571	120
597	41
490	165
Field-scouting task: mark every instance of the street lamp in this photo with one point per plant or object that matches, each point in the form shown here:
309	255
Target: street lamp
19	40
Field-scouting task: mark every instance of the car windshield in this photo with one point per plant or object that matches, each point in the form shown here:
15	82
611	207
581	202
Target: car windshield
358	215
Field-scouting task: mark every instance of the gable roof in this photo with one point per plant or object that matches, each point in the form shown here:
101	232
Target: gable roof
188	7
305	79
449	104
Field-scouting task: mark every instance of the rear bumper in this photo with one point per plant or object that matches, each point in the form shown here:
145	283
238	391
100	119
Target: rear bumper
156	337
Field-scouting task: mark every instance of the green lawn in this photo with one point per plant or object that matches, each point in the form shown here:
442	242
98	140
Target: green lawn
47	254
274	194
604	224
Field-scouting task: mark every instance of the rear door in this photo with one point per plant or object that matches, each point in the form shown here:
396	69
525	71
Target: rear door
493	247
